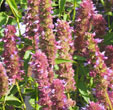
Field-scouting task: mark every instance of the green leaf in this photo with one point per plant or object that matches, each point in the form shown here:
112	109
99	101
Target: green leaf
83	91
108	38
1	1
13	6
76	57
27	54
12	100
60	60
61	6
3	18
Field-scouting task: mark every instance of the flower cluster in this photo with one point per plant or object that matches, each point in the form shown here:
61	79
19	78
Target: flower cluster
103	73
94	106
99	24
41	74
47	38
109	55
51	95
83	23
59	99
65	43
32	21
10	54
3	80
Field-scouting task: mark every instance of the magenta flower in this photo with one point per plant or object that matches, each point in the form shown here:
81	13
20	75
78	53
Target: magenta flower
109	55
95	106
65	41
103	73
99	24
32	22
58	96
3	80
10	54
47	38
40	65
83	23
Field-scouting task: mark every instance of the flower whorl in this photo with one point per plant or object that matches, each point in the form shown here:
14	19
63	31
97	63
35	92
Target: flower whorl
47	38
83	23
10	54
32	21
99	24
3	80
65	43
103	74
41	74
59	98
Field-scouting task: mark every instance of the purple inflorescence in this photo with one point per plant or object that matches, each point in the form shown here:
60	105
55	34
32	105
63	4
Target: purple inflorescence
32	21
83	23
102	74
10	54
109	54
47	38
59	98
65	42
99	24
40	65
95	106
3	80
51	95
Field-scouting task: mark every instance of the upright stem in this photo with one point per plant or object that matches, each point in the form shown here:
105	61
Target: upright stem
36	99
108	100
6	97
20	95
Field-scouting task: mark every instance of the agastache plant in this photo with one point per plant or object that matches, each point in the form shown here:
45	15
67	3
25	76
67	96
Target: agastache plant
109	55
41	74
10	54
32	22
51	95
47	38
3	80
65	50
65	44
99	24
59	98
94	106
103	73
83	23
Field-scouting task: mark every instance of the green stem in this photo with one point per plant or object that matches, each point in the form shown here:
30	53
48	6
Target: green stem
20	95
36	98
6	97
74	11
18	26
108	100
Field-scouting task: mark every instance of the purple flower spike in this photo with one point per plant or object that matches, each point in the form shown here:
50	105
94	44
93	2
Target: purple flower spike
47	38
3	80
102	74
32	22
83	23
10	54
59	98
65	41
40	65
